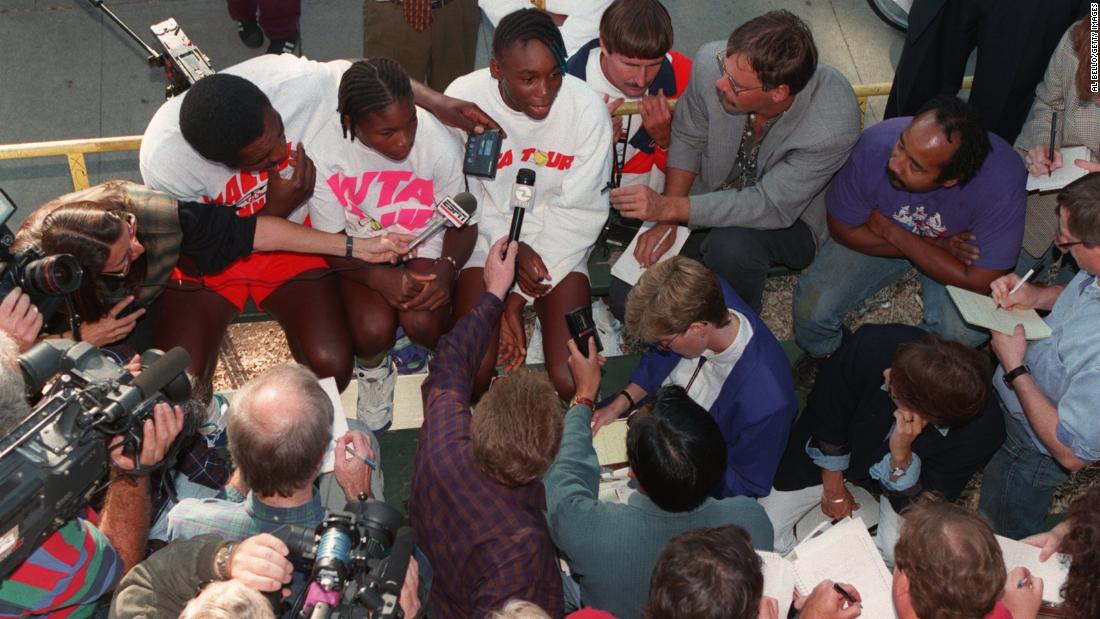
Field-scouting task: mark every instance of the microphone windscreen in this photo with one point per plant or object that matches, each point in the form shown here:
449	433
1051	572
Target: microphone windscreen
467	201
525	176
162	372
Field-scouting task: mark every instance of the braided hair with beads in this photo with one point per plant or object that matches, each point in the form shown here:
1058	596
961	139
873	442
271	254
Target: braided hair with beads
529	25
369	86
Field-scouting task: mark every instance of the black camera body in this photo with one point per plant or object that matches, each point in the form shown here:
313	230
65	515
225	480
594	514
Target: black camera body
47	279
356	560
54	460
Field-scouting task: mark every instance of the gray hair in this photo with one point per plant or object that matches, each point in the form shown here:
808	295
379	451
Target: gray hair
13	399
279	427
228	599
519	609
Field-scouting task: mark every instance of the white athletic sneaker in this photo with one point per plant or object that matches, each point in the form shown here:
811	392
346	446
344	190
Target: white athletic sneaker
374	406
535	353
609	328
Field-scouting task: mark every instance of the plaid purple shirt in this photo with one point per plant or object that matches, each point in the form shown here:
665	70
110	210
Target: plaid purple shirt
487	543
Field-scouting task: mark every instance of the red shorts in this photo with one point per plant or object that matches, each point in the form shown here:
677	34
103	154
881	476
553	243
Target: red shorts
255	276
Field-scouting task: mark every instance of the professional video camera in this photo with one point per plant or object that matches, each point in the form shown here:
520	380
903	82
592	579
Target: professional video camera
183	62
53	461
47	279
356	560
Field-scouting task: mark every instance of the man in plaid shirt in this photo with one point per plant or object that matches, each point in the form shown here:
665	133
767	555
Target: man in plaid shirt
477	503
279	430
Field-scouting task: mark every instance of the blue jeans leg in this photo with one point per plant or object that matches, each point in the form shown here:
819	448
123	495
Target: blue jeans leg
838	280
1018	484
942	317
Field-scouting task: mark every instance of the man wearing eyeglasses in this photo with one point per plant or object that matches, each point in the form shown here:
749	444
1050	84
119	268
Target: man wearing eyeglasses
1049	388
756	136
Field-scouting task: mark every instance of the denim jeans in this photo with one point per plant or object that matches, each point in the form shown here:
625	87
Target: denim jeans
840	279
1018	484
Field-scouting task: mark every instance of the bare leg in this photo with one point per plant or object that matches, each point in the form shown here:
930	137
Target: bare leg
195	320
425	328
371	318
571	293
316	328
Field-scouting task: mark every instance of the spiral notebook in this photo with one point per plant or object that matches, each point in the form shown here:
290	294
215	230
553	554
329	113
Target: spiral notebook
843	552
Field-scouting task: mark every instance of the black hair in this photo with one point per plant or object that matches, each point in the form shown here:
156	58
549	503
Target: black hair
676	451
221	114
962	122
529	25
369	86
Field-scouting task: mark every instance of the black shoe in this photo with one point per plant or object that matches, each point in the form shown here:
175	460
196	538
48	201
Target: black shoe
250	33
285	46
805	371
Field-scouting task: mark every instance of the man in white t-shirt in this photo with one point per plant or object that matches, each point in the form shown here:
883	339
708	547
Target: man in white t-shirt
239	138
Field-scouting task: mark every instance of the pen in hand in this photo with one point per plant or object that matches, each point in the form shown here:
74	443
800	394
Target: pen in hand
844	592
1053	135
371	463
1019	284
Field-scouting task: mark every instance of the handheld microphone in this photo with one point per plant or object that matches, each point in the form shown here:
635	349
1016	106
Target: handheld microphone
523	196
449	212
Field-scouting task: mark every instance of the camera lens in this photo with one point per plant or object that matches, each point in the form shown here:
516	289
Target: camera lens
51	276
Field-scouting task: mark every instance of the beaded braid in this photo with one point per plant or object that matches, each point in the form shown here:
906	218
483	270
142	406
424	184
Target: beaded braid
369	86
529	25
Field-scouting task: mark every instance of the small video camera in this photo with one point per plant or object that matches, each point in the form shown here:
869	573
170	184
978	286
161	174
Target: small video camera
482	152
581	327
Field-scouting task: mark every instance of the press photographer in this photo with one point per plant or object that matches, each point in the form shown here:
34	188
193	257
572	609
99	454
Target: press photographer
279	432
127	238
32	284
235	576
97	426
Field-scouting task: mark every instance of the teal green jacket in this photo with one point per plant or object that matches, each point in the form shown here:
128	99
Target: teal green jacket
611	548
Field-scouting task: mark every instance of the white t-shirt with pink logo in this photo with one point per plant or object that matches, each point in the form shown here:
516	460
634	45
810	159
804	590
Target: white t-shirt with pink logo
302	91
570	153
364	193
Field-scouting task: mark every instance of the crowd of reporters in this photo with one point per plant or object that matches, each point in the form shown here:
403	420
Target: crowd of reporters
505	490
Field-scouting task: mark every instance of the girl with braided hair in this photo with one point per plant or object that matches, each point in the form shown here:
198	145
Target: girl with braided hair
383	171
559	128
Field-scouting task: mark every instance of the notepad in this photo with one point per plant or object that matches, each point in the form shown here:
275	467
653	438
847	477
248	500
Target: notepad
339	423
1053	571
778	580
982	311
1063	175
627	267
844	553
610	443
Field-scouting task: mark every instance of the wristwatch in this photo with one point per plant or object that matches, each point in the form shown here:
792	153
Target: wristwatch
221	560
1014	374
